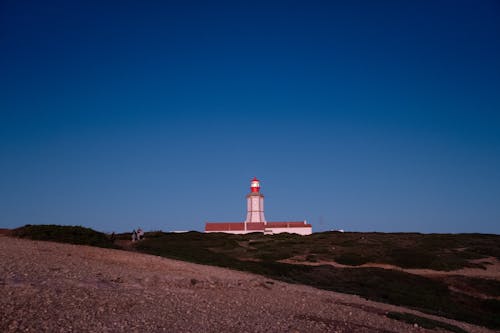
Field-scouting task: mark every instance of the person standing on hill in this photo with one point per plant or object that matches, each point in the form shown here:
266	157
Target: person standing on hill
140	234
134	236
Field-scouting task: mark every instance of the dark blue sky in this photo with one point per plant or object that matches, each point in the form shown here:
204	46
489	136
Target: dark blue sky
360	115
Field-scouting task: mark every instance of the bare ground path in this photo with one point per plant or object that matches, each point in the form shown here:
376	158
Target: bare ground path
492	270
52	287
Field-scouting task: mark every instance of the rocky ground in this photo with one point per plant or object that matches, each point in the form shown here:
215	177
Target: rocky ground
52	287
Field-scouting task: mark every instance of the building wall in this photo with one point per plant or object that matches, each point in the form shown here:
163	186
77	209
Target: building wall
300	231
234	232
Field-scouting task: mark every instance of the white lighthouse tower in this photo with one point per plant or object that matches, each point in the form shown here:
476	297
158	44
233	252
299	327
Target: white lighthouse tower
255	203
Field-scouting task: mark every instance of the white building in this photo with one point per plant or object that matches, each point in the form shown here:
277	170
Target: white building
255	221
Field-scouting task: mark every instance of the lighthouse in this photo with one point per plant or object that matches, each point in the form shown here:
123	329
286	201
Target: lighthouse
255	221
255	203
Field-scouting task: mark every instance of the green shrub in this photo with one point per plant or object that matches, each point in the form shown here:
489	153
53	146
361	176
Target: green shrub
351	259
311	258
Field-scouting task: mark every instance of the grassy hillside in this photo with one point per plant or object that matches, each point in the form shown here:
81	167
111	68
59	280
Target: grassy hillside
259	254
407	250
64	234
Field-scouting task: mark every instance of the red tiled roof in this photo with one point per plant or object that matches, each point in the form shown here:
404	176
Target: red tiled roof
255	226
217	226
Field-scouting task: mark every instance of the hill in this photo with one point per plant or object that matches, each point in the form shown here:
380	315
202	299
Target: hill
454	276
63	234
314	260
62	287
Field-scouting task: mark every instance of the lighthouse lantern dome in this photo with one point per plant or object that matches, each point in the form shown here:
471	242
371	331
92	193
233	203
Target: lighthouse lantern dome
255	185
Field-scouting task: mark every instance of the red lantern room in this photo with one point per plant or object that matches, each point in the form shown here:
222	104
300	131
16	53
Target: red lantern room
255	185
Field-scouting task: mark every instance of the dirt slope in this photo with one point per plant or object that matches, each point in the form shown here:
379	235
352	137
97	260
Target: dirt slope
55	287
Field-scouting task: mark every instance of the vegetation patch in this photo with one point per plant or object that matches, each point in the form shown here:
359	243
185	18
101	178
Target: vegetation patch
64	234
351	259
482	287
444	252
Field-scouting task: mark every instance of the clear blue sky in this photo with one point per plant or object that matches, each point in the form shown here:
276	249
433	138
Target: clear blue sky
360	115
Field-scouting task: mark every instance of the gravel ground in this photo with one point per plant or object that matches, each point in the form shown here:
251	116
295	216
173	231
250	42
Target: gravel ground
52	287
